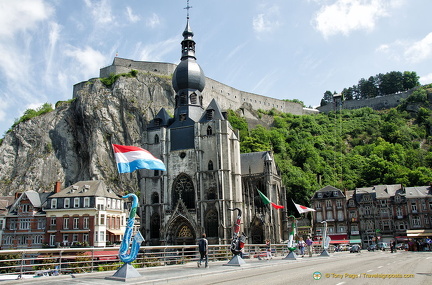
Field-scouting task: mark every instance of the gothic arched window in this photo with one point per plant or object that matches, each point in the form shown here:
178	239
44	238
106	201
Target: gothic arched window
155	226
155	198
211	194
210	165
183	189
211	223
156	139
209	131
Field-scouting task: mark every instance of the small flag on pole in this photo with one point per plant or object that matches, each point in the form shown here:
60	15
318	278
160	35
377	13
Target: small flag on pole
266	201
131	158
303	209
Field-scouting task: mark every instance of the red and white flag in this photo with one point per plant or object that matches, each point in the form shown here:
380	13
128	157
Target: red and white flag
303	209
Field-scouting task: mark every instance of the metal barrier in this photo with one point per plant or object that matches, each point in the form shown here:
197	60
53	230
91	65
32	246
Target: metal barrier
54	261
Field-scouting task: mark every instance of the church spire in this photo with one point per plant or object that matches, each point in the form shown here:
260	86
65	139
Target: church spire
188	44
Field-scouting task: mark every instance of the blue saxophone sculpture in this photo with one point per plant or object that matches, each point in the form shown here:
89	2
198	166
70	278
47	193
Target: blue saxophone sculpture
138	238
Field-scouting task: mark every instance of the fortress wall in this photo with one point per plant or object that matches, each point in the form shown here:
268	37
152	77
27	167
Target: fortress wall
377	103
226	96
122	65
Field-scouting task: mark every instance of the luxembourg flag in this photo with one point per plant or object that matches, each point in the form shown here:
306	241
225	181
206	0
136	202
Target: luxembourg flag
131	158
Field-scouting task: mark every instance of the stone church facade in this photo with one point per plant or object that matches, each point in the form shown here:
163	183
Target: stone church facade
206	175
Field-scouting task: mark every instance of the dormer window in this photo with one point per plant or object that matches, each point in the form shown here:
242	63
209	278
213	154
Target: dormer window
193	98
209	114
183	98
157	122
335	193
67	203
320	195
54	204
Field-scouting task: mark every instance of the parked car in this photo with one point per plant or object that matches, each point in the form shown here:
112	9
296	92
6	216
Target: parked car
400	246
383	246
372	247
355	248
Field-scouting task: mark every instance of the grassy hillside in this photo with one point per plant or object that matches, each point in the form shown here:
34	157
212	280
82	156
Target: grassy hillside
347	149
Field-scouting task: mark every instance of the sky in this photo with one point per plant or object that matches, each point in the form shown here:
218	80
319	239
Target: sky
285	49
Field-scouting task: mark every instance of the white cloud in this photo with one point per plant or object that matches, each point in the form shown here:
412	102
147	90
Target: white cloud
155	52
345	16
420	50
21	15
153	21
426	79
266	22
101	11
131	16
410	51
90	60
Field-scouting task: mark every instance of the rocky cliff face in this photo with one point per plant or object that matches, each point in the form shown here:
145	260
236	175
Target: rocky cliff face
73	143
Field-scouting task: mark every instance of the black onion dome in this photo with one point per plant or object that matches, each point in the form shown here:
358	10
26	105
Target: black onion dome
188	75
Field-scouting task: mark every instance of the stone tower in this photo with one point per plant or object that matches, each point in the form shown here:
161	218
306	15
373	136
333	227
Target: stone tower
202	154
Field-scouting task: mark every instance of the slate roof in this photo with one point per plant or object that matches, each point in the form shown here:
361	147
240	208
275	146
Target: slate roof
38	200
86	189
253	162
328	192
387	191
418	192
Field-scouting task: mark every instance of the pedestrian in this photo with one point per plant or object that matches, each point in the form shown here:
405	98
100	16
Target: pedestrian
301	246
268	250
392	246
203	250
309	243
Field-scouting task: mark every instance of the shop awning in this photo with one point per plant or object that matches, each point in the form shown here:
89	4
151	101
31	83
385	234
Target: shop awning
419	233
338	237
116	232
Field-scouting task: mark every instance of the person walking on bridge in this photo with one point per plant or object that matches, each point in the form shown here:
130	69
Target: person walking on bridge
203	250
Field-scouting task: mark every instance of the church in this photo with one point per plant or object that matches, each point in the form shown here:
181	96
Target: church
207	177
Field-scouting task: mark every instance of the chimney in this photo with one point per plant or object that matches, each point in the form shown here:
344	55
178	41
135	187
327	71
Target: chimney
57	187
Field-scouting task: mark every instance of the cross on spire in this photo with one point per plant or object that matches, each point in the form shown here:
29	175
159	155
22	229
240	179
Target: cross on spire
187	8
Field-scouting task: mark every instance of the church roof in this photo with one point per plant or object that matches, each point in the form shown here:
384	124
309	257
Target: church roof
253	162
216	114
162	119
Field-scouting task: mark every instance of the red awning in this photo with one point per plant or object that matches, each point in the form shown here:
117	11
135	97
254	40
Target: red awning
339	237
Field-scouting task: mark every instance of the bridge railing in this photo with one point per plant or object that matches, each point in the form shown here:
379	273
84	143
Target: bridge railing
49	261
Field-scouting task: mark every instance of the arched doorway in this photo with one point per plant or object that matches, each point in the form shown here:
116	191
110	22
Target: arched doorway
257	231
181	232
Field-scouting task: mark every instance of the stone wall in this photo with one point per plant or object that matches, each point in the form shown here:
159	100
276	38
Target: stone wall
377	103
226	96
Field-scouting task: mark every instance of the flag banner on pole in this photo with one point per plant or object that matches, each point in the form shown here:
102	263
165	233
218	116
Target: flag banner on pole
266	201
303	209
131	158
